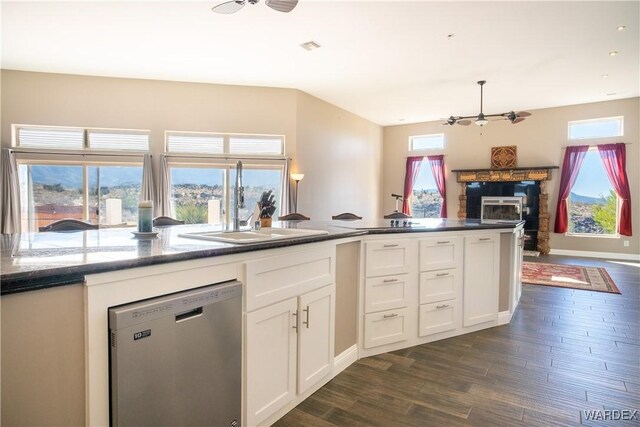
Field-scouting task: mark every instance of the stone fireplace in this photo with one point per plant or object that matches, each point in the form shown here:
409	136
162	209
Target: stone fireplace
528	183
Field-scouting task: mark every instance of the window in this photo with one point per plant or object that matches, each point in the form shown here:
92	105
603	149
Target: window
204	194
426	142
201	143
426	201
102	194
596	128
593	204
97	192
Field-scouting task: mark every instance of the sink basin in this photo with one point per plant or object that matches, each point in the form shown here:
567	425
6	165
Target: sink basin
252	236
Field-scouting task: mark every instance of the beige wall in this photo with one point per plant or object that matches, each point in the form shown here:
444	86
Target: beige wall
339	152
539	140
341	157
43	357
347	280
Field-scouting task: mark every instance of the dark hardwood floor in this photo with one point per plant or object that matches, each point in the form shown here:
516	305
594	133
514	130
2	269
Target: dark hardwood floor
565	352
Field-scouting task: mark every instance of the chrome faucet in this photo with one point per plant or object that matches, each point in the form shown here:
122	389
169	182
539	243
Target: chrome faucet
238	193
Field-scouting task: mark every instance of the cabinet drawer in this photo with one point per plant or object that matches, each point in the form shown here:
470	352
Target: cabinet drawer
386	293
388	257
385	328
440	252
439	285
276	278
438	317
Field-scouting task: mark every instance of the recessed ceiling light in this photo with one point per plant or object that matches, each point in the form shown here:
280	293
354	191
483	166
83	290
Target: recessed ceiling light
612	93
401	120
604	76
613	53
621	27
310	45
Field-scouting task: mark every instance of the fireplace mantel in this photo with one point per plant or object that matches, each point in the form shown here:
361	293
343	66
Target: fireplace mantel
536	173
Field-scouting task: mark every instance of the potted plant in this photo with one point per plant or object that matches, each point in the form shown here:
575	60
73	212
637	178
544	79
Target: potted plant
267	206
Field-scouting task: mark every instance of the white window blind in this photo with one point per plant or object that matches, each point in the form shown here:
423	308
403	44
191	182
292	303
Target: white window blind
255	144
426	142
195	143
50	138
116	140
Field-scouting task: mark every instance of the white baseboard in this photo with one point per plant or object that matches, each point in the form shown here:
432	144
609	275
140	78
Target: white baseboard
345	359
504	317
603	255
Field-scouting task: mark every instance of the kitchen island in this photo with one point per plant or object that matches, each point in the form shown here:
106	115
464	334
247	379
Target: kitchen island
378	284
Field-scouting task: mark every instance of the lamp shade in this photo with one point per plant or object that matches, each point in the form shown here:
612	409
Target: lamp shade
297	176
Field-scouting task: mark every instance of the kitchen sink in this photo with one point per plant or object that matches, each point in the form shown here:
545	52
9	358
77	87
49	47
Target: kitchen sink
253	236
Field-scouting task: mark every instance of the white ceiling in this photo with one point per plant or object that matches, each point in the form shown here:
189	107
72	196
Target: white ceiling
383	60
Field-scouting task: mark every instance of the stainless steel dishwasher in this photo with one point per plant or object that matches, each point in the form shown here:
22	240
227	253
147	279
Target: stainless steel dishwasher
176	360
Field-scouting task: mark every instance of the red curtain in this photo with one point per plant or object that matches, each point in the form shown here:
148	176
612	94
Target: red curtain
573	157
614	159
413	168
437	167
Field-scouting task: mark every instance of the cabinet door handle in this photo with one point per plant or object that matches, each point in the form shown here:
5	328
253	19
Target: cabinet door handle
442	306
307	322
390	246
389	280
442	274
388	316
443	242
295	320
484	238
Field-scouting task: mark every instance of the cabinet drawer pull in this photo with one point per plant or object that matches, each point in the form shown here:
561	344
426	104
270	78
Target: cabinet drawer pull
442	306
388	316
295	321
443	242
484	238
442	274
390	246
306	310
389	280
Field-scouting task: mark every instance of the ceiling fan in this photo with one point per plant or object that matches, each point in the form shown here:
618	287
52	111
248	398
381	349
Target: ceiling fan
481	119
233	6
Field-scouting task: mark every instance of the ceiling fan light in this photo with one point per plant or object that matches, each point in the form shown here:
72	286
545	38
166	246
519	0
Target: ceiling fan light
481	122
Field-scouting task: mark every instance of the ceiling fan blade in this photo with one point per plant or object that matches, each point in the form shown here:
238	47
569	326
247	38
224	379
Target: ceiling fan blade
229	7
518	120
523	114
464	122
282	5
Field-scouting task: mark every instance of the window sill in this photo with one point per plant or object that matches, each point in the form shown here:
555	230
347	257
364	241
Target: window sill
599	236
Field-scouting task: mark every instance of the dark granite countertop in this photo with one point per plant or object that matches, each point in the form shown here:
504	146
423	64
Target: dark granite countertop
32	261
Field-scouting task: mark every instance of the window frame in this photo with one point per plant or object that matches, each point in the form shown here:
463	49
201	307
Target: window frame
425	150
596	120
84	164
614	235
226	150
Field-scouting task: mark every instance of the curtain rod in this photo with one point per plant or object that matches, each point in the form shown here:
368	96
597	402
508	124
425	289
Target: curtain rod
196	155
593	145
57	153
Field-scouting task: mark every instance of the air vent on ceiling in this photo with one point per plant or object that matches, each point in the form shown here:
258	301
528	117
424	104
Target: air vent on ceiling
310	45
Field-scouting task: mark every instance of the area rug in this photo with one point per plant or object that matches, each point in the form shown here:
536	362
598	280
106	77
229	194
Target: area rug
568	276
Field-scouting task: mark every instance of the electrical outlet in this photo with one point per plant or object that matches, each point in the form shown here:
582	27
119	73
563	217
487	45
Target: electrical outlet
626	243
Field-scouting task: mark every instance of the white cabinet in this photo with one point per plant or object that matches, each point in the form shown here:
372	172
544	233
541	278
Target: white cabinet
441	260
387	292
438	317
315	336
386	327
440	252
271	359
388	257
481	278
290	328
439	285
